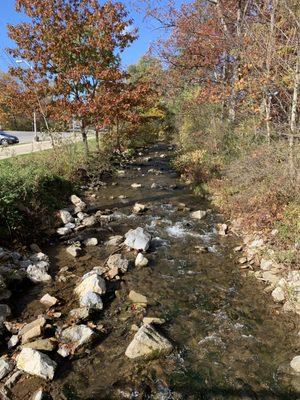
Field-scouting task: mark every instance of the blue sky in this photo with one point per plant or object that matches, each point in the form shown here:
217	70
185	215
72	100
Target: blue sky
147	33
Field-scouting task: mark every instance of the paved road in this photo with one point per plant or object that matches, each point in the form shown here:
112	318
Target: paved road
28	145
27	137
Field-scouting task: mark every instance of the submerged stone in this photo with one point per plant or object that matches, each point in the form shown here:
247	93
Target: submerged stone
147	344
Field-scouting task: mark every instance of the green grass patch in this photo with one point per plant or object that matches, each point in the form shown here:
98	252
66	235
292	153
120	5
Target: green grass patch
35	184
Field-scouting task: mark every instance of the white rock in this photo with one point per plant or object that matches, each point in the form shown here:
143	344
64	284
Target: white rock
66	216
139	208
92	301
295	364
79	313
89	221
278	294
82	215
141	260
93	283
198	214
64	350
38	272
13	341
74	250
114	240
36	363
41	344
117	261
136	185
37	257
148	343
5	367
48	300
39	395
270	277
137	298
64	231
153	320
222	229
91	242
138	239
266	265
32	329
78	335
78	203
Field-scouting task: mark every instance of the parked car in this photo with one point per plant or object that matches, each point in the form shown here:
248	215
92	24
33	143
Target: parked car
6	139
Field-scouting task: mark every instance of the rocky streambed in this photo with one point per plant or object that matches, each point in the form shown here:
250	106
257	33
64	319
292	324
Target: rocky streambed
140	295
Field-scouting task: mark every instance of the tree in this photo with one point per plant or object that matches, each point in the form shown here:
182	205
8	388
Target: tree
74	47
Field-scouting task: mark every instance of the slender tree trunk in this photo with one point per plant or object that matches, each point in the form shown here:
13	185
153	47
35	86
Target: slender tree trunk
232	100
267	108
118	136
84	140
269	58
97	140
293	122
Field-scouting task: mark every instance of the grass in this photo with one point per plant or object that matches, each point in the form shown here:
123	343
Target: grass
33	185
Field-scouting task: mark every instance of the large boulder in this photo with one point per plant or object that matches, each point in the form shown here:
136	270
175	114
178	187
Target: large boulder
92	283
36	363
138	239
147	344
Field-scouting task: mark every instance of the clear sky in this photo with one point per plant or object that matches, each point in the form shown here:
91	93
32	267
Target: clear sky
147	33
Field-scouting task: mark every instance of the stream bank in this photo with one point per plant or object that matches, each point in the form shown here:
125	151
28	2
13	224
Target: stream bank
228	341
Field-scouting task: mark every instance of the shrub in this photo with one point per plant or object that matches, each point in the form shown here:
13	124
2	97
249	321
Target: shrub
197	165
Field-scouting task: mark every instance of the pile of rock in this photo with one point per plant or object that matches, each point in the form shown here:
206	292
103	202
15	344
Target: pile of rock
76	219
283	284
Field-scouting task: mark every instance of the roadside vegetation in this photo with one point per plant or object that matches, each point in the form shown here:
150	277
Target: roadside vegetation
224	86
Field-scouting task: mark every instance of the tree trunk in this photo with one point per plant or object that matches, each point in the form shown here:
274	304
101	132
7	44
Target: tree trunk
235	67
118	136
293	123
97	140
270	51
84	140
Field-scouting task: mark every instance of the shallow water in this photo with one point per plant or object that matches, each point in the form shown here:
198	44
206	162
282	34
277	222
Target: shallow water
230	341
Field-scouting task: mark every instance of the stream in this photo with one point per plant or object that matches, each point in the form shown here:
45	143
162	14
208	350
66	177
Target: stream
230	341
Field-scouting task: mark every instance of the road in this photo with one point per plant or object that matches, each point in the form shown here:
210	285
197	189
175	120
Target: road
28	145
27	137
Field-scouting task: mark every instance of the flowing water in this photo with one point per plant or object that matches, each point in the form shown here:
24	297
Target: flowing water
230	341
